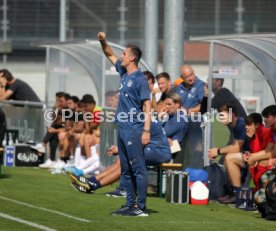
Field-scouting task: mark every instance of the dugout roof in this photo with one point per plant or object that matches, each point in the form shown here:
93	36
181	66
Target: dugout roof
79	68
260	49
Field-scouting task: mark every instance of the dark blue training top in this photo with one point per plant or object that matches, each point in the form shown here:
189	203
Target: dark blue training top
158	136
134	89
239	133
191	96
176	126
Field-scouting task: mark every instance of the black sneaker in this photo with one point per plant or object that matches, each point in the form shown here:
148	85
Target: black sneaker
222	198
117	193
80	188
229	200
121	211
81	181
136	212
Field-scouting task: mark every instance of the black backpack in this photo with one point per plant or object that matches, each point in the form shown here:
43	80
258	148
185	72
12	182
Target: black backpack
270	192
218	184
2	126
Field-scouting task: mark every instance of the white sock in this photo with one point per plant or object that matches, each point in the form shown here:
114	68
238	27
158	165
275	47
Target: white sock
78	157
88	162
92	168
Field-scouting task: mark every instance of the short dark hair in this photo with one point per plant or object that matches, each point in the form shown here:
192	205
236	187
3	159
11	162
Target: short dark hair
80	104
75	99
253	118
110	93
176	98
59	93
226	108
67	96
7	74
136	52
88	99
149	76
269	110
62	94
163	75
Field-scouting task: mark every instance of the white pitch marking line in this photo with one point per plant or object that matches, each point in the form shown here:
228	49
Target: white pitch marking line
42	227
44	209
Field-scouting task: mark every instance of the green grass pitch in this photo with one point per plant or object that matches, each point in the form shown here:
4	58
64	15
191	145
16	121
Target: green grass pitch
48	202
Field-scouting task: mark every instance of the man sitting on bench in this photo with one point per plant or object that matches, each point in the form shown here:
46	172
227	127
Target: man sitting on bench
156	152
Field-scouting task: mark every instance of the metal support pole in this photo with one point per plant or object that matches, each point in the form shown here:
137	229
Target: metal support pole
151	34
62	21
217	16
173	37
47	84
239	23
210	75
122	23
208	123
62	38
102	103
5	26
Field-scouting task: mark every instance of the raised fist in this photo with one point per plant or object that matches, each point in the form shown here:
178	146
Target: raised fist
101	36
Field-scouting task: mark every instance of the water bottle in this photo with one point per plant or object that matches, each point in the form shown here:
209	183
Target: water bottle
71	160
4	143
10	140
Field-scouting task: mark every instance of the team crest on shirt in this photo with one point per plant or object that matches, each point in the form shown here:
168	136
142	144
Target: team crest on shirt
129	83
193	90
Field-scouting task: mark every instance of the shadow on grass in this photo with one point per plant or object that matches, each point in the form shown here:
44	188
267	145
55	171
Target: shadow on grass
4	176
151	211
152	194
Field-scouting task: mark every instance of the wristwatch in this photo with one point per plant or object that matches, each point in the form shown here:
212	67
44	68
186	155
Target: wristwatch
146	130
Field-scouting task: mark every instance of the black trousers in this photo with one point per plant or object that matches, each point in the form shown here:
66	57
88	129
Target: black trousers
52	139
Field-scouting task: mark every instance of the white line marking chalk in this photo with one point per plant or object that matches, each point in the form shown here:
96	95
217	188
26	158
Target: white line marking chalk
44	209
42	227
